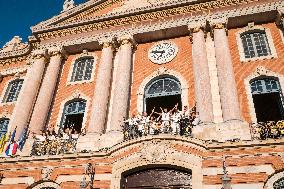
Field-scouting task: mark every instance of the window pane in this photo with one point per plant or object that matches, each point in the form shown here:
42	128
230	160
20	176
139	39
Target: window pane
13	91
255	44
3	127
82	69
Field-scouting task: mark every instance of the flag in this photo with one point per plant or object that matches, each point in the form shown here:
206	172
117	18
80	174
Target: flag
11	149
23	139
13	135
3	142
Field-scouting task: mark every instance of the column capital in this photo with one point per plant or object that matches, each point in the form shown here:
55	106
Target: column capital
196	26
218	23
126	39
106	42
38	54
56	51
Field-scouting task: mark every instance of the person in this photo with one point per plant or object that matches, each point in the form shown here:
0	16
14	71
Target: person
175	124
184	120
165	118
145	121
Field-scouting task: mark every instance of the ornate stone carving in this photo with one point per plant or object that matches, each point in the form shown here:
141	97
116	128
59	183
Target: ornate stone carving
14	44
156	151
46	173
54	51
38	54
68	4
109	22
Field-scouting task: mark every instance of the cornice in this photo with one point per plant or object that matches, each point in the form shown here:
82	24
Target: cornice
184	21
158	15
46	26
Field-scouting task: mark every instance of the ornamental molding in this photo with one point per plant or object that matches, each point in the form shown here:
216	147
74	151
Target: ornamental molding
14	71
185	21
137	19
46	173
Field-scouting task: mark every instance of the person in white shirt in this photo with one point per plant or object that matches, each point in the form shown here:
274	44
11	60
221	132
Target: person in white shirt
175	124
165	117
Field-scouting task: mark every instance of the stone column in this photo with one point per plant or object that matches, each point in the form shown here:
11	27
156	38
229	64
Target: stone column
122	86
102	90
27	97
46	92
201	76
226	77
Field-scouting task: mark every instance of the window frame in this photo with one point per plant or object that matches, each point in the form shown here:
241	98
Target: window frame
5	91
73	63
7	130
251	29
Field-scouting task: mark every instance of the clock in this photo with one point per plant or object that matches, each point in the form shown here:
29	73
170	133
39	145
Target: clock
163	52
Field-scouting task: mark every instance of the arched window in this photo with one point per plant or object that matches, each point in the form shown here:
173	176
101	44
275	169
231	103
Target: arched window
82	69
162	92
73	115
13	91
4	122
255	44
267	97
279	184
163	87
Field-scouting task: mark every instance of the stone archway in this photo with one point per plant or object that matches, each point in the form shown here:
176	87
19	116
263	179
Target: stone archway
156	154
272	180
44	185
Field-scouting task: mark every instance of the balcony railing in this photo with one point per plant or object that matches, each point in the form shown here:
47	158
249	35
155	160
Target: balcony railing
266	130
54	144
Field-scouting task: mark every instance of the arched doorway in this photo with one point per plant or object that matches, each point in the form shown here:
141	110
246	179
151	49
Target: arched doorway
73	115
164	91
267	99
279	184
156	178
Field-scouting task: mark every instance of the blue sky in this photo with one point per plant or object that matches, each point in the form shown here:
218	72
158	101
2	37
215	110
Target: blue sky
17	16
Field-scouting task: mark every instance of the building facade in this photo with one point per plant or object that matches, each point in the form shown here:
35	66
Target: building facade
98	63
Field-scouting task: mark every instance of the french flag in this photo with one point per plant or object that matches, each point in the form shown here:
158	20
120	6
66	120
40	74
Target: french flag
11	149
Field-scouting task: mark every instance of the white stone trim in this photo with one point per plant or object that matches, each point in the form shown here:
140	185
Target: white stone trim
159	72
236	186
78	178
75	95
269	183
18	180
13	71
73	61
46	184
260	71
269	40
5	90
268	169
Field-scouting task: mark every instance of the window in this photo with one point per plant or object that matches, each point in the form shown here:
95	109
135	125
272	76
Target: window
82	69
255	44
13	91
3	126
267	99
73	115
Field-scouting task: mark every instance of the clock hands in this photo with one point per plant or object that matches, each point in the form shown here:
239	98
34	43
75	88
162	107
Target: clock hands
159	52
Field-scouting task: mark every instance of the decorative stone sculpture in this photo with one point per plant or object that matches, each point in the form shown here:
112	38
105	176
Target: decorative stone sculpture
68	4
14	44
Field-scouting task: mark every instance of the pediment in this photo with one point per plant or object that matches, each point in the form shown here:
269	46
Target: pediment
97	10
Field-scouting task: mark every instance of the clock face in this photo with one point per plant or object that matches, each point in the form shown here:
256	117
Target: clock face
163	52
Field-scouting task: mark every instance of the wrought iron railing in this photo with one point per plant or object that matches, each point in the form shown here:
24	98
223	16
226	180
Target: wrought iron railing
266	130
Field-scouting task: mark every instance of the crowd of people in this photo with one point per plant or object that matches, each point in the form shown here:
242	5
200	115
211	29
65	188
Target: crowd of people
269	129
165	121
51	143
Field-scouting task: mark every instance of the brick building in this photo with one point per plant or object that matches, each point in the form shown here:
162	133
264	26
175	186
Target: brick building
99	62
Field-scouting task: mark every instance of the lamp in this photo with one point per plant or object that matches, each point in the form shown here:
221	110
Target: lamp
90	171
226	180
